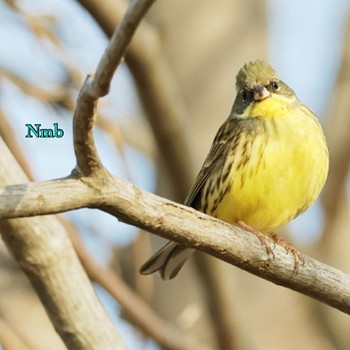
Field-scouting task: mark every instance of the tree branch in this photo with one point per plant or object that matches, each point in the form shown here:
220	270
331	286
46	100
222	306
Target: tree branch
158	92
178	223
97	85
120	40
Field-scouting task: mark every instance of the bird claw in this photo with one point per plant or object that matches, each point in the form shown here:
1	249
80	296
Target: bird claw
265	240
271	245
298	259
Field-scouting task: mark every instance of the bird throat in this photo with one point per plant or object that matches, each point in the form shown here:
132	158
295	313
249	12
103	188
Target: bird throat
275	106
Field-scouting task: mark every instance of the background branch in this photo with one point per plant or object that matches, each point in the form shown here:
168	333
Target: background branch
218	299
135	309
44	252
9	339
334	243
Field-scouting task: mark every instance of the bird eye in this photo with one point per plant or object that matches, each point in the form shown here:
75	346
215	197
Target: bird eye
244	95
275	85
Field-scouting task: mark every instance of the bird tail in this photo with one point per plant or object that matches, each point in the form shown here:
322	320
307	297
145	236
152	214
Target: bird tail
168	261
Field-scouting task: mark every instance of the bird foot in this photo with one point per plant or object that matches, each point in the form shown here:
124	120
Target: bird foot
298	259
265	240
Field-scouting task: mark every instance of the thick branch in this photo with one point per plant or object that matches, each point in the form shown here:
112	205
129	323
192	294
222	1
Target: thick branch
182	224
44	252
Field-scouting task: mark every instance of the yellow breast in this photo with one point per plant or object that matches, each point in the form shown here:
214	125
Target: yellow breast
283	171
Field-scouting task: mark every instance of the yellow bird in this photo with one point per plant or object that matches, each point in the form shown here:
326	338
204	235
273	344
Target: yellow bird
267	164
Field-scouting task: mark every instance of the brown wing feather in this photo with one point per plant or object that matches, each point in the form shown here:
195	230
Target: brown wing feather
211	162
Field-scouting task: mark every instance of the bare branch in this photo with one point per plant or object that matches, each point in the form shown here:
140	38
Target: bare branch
97	86
158	92
119	42
88	160
178	223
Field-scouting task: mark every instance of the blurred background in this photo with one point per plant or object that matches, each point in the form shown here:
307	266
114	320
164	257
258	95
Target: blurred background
168	99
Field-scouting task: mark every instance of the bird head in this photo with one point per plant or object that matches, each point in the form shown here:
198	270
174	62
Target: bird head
255	82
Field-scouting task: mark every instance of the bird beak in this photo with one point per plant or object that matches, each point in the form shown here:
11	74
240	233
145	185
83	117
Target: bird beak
260	93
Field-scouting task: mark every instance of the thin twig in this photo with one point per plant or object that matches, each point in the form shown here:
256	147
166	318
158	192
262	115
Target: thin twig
120	40
58	94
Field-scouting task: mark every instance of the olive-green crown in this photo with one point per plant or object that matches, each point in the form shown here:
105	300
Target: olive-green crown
252	73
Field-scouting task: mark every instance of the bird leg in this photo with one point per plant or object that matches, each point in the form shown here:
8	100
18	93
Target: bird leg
265	240
289	248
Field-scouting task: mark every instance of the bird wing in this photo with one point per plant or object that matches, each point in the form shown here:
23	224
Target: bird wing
211	162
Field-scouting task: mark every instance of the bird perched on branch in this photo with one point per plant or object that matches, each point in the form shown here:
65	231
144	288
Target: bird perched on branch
267	165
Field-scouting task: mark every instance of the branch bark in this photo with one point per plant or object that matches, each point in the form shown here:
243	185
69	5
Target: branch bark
181	224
